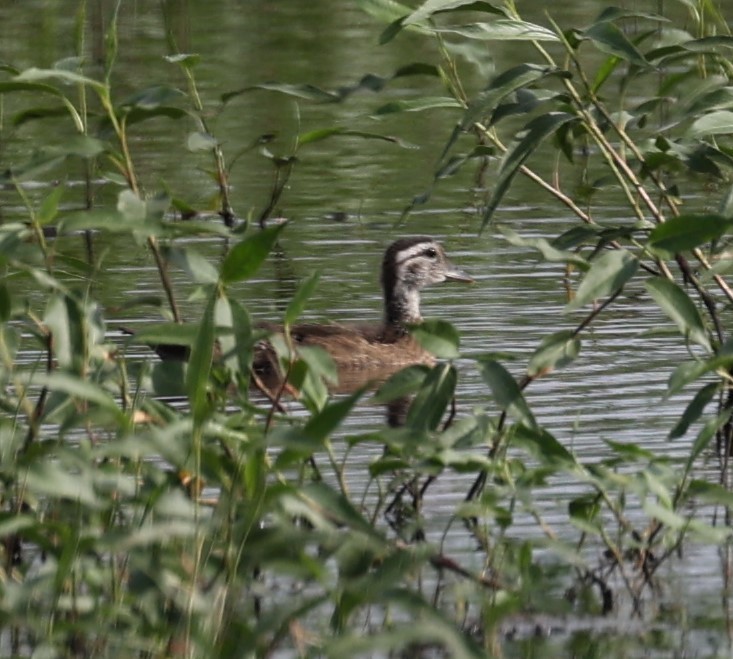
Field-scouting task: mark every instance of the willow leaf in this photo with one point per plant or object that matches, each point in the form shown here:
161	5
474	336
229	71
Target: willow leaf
679	308
608	38
694	409
506	391
432	7
607	275
504	29
199	364
555	351
686	232
246	257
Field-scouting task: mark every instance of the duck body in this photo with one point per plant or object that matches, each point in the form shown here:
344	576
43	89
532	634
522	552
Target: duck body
349	346
408	266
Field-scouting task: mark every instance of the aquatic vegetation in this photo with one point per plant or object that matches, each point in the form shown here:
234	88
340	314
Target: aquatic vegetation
134	526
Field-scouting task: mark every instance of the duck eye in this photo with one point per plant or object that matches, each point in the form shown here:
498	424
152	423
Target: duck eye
431	252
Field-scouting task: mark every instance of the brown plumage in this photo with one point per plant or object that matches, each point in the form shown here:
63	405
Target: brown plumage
409	265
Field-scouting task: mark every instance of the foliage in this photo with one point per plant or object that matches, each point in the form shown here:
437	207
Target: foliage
134	526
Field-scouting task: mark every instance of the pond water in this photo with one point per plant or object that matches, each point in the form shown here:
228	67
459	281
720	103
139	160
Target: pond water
344	202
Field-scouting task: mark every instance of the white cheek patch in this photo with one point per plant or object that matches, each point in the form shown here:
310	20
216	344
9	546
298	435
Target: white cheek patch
409	253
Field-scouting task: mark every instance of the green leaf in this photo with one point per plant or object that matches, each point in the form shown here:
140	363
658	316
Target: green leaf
688	372
246	257
431	7
52	479
630	452
706	44
726	204
706	434
608	38
679	308
30	114
555	351
605	72
81	146
198	268
153	97
168	378
607	275
694	410
99	219
132	207
418	105
419	20
12	238
136	114
235	341
199	364
303	91
543	445
384	10
302	295
50	204
702	490
506	391
686	232
716	99
327	501
153	535
427	625
550	252
81	389
175	334
586	508
242	336
368	82
12	523
438	337
320	369
199	141
185	60
64	319
504	84
668	517
47	158
35	75
616	13
432	399
326	421
40	162
16	86
503	29
532	136
324	133
719	122
403	383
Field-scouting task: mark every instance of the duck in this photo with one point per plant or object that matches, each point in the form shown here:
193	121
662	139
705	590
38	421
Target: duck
409	265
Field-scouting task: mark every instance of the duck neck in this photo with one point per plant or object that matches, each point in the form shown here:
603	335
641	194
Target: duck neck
402	306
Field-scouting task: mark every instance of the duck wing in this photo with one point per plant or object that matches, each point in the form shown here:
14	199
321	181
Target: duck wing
354	346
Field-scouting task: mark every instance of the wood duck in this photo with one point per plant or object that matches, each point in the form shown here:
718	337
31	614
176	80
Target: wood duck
409	265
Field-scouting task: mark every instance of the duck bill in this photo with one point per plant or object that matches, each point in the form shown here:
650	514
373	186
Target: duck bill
455	274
